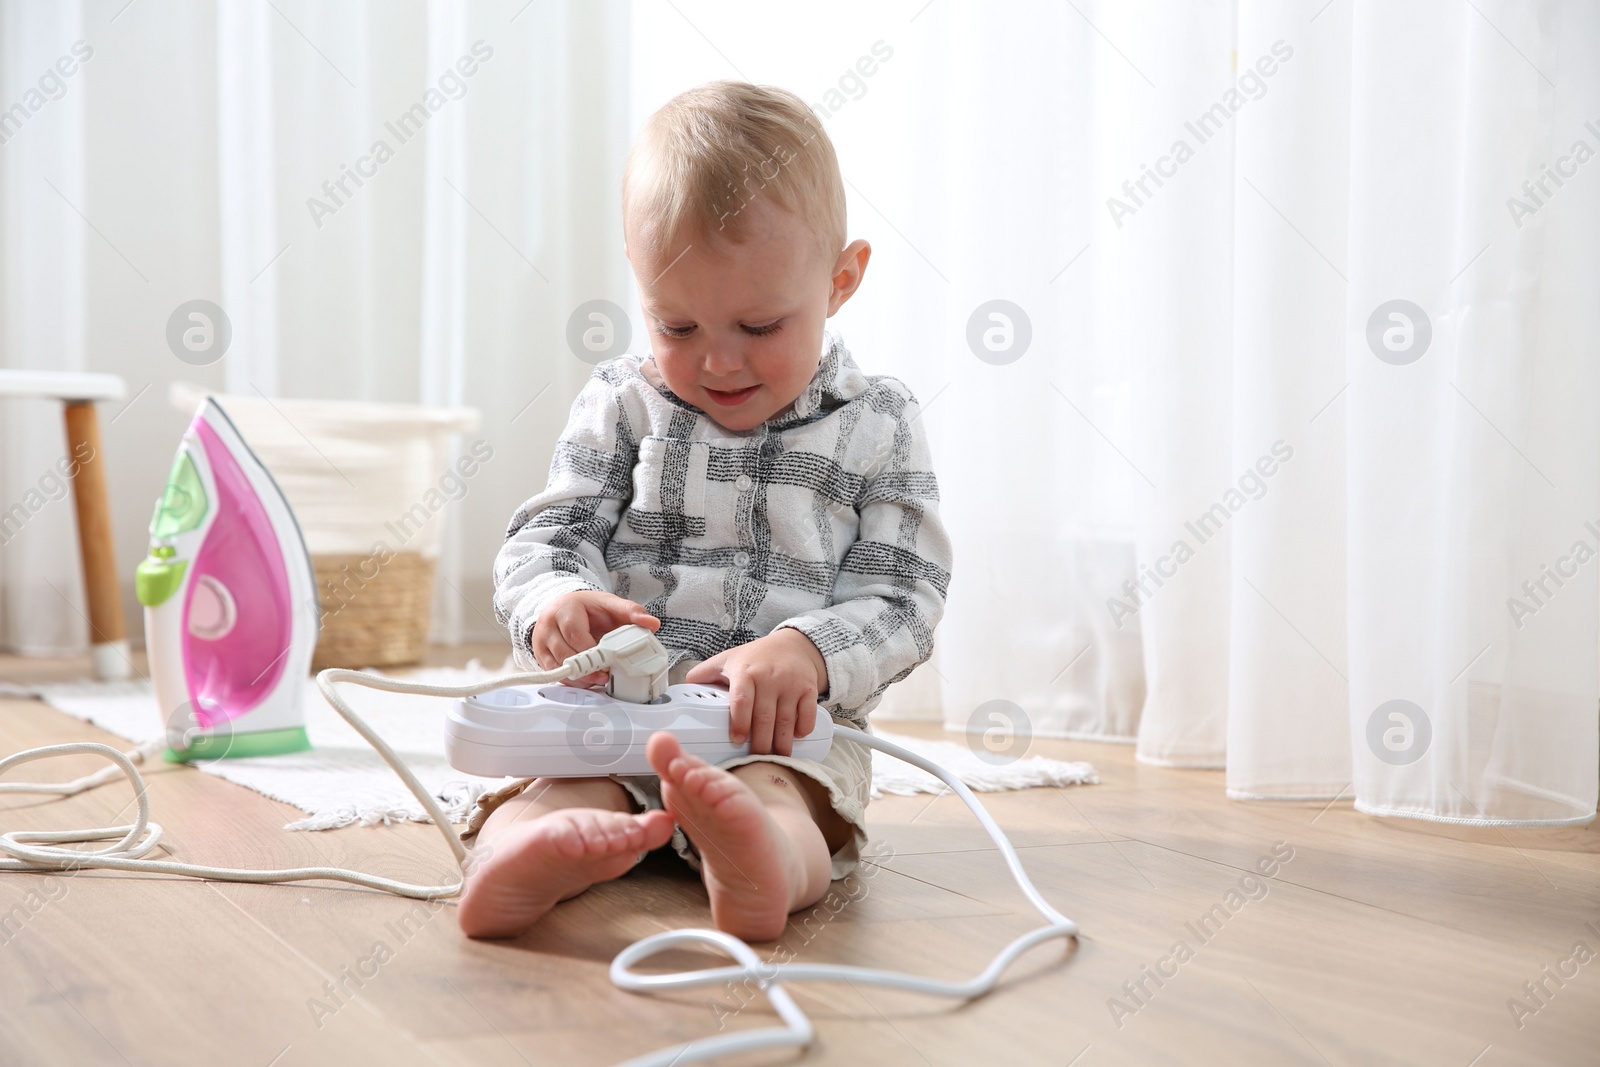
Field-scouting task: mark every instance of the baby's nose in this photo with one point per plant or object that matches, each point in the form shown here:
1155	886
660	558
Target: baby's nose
722	359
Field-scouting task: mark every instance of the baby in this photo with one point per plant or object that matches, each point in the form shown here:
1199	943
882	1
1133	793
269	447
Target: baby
752	497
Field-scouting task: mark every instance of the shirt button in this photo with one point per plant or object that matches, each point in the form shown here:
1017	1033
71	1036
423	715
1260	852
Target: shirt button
743	482
741	559
727	621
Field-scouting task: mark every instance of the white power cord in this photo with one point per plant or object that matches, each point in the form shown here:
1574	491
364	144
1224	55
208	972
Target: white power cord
137	754
39	851
799	1032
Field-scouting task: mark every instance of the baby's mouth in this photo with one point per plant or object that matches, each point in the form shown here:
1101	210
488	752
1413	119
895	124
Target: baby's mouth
730	398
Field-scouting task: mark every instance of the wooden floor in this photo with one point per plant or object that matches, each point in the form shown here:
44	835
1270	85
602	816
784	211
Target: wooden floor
1379	941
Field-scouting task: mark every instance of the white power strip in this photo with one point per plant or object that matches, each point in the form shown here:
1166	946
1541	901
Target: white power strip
43	851
558	731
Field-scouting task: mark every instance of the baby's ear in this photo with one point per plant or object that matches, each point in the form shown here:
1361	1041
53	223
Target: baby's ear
848	270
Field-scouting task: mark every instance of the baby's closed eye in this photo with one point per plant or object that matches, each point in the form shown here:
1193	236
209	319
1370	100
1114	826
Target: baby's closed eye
761	330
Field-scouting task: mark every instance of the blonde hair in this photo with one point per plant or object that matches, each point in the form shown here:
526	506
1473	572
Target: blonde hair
710	152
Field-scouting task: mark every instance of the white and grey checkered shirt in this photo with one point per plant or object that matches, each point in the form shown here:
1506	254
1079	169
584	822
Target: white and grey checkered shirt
824	518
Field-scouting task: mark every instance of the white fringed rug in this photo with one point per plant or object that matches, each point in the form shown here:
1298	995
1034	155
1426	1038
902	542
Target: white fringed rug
341	781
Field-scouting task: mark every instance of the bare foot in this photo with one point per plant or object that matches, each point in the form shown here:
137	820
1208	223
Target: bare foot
532	866
751	868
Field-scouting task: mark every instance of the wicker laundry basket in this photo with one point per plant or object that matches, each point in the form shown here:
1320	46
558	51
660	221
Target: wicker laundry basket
376	621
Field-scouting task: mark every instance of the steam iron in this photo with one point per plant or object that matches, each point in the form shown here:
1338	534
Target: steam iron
230	601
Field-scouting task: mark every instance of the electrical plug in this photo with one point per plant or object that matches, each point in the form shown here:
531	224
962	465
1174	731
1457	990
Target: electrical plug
637	662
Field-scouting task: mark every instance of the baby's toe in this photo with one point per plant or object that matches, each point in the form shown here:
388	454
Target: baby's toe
667	757
655	828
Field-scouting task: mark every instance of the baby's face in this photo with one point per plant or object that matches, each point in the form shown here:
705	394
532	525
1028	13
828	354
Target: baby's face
736	329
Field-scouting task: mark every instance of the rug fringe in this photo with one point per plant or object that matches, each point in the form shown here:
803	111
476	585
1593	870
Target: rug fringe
457	799
894	777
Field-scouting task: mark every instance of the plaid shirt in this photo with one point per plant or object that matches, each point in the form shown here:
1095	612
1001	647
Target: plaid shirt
824	518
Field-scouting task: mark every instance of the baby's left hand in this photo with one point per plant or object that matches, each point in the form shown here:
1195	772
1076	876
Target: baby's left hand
774	682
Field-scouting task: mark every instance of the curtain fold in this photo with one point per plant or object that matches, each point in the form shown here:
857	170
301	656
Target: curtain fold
248	206
445	273
42	318
1288	663
1175	256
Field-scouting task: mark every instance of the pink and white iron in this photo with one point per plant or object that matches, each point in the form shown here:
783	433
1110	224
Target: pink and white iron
230	601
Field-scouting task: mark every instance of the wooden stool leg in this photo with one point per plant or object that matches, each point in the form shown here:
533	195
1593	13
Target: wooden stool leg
108	634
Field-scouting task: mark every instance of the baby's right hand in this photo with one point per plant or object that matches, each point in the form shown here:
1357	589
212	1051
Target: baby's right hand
575	622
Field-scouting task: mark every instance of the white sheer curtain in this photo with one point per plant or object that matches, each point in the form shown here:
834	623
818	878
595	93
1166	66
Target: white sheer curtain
447	275
1355	629
1200	511
1440	479
1223	504
193	144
